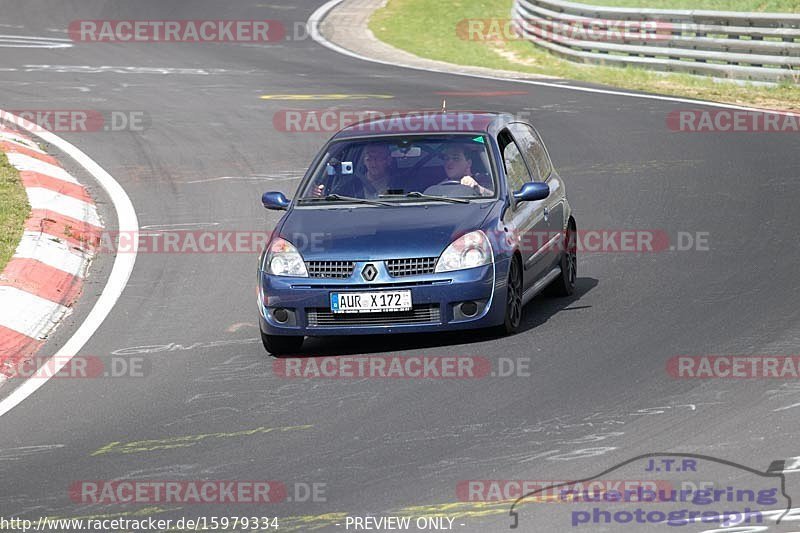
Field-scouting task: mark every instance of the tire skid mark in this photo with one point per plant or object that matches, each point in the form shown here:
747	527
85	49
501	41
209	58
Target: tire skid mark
186	441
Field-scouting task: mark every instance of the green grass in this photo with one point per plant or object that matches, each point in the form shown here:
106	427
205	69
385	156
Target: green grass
429	29
775	6
14	210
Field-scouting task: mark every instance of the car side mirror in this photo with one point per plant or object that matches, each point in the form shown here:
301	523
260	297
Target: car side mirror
532	191
275	200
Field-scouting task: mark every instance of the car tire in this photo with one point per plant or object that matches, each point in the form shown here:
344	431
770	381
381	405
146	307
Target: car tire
513	314
564	284
281	344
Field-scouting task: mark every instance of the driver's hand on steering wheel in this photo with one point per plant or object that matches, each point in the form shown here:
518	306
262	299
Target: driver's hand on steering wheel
469	181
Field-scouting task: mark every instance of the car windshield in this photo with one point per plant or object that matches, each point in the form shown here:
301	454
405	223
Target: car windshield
403	169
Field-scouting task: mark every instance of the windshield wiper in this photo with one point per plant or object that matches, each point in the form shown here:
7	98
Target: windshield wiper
417	194
340	198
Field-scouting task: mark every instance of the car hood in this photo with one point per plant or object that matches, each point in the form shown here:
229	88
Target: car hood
376	233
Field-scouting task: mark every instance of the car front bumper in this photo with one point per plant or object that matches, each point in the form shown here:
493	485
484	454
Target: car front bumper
436	299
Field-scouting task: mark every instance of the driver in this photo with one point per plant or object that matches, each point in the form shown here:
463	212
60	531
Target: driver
458	167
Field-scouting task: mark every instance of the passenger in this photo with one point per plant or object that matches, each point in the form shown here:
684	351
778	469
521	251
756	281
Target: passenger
377	180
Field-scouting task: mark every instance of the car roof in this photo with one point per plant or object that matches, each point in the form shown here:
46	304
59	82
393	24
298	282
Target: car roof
417	122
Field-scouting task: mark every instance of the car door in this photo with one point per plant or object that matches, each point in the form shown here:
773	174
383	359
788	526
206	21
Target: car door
526	219
538	160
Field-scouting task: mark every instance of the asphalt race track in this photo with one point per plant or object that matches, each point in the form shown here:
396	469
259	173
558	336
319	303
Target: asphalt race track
598	392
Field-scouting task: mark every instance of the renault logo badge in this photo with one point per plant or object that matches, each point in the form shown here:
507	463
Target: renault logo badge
369	272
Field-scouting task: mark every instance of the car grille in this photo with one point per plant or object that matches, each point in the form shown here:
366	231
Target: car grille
330	269
420	314
371	286
411	266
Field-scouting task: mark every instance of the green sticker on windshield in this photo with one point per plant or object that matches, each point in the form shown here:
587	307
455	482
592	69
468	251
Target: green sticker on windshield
478	140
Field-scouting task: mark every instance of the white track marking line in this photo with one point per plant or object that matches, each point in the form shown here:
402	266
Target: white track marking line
27	313
27	41
26	162
792	465
42	248
41	198
245	178
318	15
117	280
31	38
12	137
784	408
167	227
16	43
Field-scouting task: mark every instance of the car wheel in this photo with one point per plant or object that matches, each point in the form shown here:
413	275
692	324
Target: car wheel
513	299
564	284
281	344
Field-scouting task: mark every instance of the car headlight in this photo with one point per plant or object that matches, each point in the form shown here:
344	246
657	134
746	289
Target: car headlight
468	251
283	259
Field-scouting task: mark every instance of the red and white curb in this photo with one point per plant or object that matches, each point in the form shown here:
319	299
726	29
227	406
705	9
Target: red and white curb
44	278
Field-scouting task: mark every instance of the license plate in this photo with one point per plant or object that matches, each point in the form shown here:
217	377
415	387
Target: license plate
370	302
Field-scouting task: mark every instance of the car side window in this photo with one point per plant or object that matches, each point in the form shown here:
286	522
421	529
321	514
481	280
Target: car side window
533	150
516	170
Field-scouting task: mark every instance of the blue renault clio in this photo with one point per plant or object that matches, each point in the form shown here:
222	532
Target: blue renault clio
419	223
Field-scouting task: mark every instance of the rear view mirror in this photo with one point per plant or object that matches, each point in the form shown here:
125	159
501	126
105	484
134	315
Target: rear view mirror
275	200
532	191
413	151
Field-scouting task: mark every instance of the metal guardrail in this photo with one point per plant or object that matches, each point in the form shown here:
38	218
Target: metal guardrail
746	46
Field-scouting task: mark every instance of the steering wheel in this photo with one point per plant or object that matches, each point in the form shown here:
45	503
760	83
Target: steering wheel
439	189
